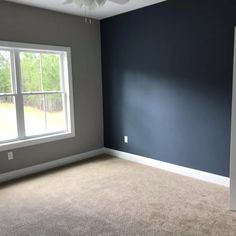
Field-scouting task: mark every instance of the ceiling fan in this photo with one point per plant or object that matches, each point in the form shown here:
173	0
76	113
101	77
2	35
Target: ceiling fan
93	4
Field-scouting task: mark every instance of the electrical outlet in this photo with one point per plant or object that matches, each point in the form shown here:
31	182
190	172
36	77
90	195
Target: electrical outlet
10	156
126	139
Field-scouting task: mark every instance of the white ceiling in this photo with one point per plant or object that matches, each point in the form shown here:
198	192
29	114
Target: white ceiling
108	10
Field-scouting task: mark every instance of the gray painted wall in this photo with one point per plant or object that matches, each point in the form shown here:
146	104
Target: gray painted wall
31	25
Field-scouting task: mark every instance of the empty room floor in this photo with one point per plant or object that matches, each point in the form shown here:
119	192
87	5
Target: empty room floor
111	196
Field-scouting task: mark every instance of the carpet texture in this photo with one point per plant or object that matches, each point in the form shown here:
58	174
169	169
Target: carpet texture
110	196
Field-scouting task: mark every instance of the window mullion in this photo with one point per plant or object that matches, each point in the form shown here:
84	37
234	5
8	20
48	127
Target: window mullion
42	89
41	72
13	74
19	97
45	112
63	88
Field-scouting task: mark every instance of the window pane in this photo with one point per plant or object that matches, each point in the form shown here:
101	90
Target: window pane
30	71
51	72
8	125
34	115
5	72
55	113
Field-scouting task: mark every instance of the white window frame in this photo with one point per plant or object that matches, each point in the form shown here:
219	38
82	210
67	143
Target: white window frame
66	72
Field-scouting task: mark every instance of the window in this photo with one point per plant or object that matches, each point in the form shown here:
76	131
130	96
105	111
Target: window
36	102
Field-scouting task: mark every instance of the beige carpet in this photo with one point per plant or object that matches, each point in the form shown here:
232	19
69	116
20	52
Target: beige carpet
109	196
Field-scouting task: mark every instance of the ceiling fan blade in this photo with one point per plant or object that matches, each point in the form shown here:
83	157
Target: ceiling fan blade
100	3
90	4
120	1
68	1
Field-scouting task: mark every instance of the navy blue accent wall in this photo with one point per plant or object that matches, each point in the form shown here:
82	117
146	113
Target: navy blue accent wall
167	82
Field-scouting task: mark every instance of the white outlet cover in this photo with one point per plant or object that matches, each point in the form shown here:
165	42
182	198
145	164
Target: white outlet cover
126	139
10	155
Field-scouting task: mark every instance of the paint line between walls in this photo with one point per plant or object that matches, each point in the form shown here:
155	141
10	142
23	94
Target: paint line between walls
196	174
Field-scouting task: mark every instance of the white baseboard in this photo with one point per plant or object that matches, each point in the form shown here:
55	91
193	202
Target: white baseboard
200	175
49	165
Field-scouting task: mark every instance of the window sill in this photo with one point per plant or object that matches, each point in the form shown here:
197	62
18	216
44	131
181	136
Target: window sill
35	141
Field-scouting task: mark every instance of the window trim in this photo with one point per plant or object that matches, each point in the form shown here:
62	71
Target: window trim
65	53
